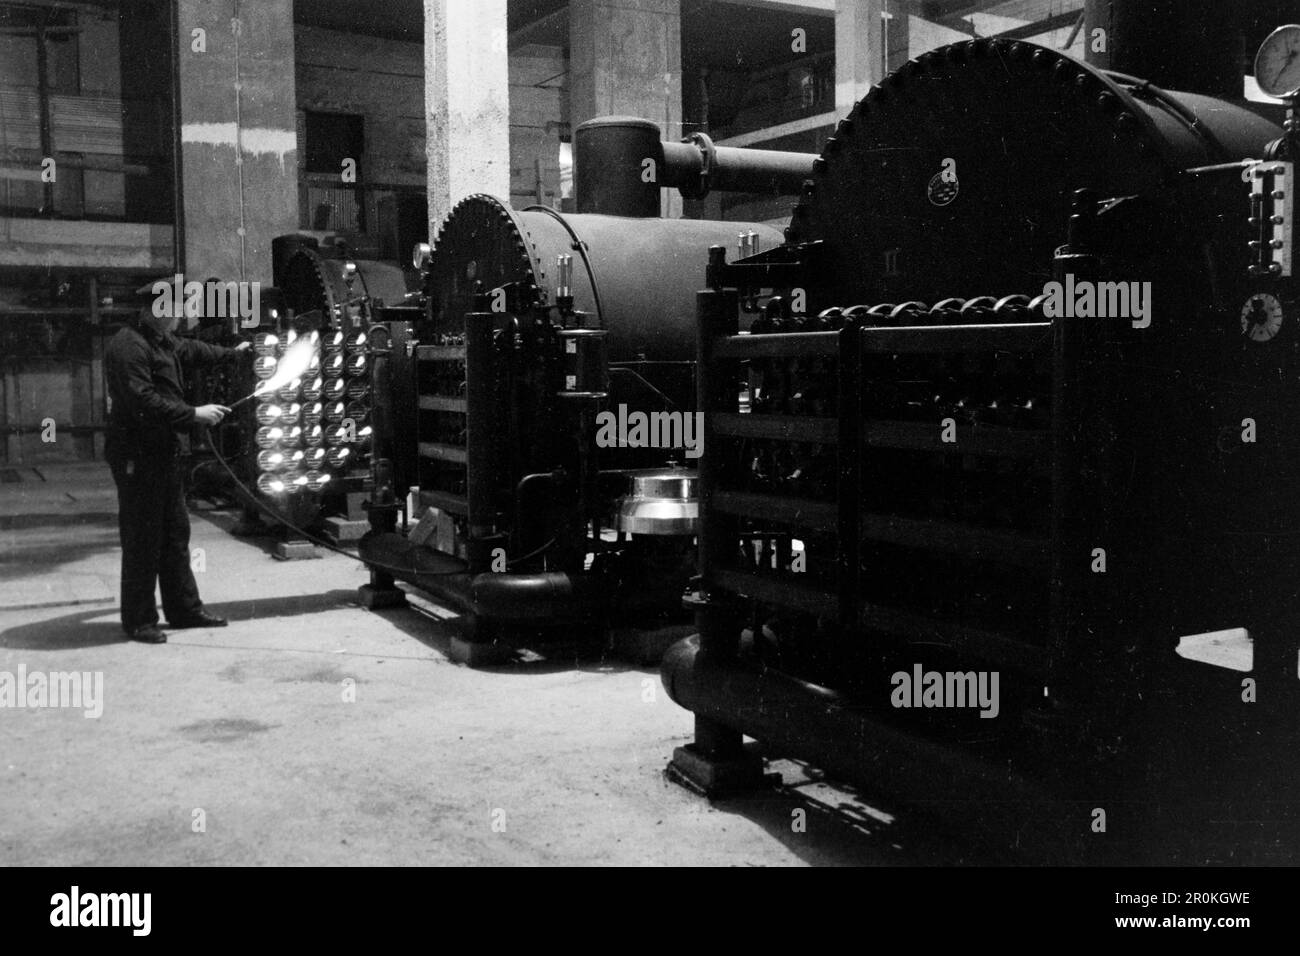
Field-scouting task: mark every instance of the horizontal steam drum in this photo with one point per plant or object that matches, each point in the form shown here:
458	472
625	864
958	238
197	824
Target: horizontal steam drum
314	282
957	172
636	276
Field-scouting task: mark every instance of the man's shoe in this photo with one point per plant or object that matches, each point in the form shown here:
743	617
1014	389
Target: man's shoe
147	634
198	619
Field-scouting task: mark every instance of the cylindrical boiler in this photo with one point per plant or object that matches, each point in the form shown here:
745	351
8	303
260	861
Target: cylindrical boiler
636	277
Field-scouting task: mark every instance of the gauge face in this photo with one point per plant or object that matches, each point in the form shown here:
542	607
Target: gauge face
1277	64
1261	317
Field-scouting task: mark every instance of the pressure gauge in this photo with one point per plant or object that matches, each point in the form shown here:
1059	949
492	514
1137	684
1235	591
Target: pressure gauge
1261	317
1277	64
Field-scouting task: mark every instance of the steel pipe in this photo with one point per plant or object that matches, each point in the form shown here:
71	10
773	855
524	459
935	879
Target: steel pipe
620	165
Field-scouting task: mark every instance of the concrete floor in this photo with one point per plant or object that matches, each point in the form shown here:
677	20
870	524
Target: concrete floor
249	725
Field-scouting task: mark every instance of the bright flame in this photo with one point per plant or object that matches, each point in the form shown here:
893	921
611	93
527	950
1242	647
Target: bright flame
295	361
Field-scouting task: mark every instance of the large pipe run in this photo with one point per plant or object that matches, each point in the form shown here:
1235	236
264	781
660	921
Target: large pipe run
620	164
539	597
790	716
696	167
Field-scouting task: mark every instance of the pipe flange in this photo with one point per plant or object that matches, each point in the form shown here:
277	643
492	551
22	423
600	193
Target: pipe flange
708	162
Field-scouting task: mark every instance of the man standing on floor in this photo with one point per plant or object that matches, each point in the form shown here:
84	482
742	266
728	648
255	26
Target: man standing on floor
146	366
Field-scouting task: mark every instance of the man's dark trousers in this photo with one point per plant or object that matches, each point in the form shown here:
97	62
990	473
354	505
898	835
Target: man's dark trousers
155	531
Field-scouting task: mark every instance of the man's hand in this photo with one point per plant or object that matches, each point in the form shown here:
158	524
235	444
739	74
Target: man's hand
210	415
243	346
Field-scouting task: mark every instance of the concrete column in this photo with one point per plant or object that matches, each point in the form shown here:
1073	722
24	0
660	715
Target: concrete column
239	167
898	39
467	102
858	50
625	59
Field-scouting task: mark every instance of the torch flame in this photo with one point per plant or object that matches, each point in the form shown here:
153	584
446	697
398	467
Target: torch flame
295	361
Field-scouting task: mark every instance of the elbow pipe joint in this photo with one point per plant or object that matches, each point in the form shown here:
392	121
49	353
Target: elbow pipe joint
547	596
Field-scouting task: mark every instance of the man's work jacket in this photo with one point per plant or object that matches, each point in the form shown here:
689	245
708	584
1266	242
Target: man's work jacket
146	386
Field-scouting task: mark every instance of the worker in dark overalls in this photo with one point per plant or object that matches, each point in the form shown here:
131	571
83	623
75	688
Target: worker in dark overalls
146	365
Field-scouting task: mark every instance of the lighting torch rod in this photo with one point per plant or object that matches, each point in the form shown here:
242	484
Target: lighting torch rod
247	398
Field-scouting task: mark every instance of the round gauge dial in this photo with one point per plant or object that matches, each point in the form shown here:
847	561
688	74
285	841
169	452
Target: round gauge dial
1261	317
1277	64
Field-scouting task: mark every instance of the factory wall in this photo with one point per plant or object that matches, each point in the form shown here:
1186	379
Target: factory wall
379	79
382	81
378	82
72	247
539	120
